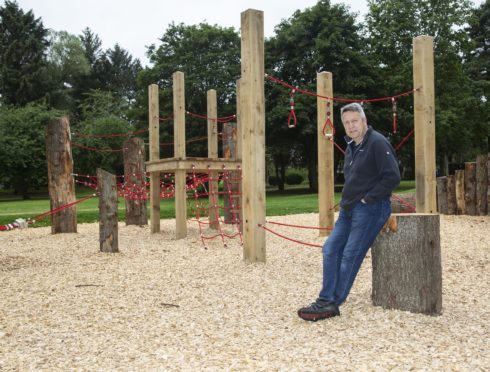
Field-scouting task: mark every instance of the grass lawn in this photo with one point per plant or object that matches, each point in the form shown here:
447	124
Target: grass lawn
295	199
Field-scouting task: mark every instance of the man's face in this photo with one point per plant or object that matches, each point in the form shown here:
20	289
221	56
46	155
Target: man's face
355	126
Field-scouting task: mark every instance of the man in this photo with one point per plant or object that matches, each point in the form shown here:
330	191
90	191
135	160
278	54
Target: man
371	174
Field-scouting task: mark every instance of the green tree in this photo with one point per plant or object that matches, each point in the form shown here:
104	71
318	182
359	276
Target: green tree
392	25
22	146
23	66
324	37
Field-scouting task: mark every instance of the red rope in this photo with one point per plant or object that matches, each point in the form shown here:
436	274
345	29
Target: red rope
299	226
393	101
59	209
292	114
411	207
290	239
397	147
224	119
308	93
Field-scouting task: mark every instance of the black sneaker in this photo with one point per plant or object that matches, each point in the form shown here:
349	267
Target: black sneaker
320	309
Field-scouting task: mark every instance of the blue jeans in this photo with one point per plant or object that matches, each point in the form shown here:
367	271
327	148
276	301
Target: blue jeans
345	249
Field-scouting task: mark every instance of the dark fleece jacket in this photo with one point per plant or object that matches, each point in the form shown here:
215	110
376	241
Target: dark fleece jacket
370	170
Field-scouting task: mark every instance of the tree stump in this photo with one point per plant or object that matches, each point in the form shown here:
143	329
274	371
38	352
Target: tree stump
459	191
442	195
108	233
60	175
451	195
135	182
407	272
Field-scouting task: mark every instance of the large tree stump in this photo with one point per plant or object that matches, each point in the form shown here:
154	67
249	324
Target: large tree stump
459	191
407	265
481	184
470	188
60	176
135	182
108	233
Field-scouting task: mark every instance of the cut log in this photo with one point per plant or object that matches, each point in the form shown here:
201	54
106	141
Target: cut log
60	176
481	185
442	195
407	271
108	233
459	191
451	195
470	188
135	182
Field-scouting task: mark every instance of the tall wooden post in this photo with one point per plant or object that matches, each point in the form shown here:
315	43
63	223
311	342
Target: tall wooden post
230	188
60	179
108	232
442	206
324	87
459	191
212	113
239	152
425	138
179	153
135	181
253	134
481	184
154	124
451	195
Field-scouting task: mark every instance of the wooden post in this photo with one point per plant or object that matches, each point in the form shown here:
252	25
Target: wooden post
459	191
60	179
425	138
154	128
179	153
239	153
470	188
442	195
212	113
108	233
135	181
324	87
252	121
230	188
407	272
481	184
451	195
488	185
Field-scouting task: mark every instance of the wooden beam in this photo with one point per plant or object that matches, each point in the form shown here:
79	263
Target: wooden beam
213	198
324	87
189	164
179	152
108	228
61	184
154	129
425	138
252	121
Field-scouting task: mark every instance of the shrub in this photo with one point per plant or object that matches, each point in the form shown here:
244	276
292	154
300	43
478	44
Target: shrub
294	179
272	180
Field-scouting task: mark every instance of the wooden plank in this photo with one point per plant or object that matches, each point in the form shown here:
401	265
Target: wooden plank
459	191
451	195
326	209
154	131
61	184
442	195
481	185
212	114
189	164
108	231
470	188
179	152
407	272
425	139
253	134
135	182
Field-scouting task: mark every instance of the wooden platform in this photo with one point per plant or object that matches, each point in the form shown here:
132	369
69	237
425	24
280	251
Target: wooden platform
189	164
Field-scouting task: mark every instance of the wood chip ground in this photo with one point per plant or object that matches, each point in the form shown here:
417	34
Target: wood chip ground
166	304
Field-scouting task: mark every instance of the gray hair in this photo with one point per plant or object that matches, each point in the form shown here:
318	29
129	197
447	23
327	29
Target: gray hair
353	107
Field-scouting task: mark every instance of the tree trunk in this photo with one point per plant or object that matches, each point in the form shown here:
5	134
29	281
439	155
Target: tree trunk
135	182
108	232
60	176
481	184
407	271
442	195
470	188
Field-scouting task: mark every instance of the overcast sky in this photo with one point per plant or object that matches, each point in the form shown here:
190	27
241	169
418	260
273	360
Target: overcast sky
137	24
